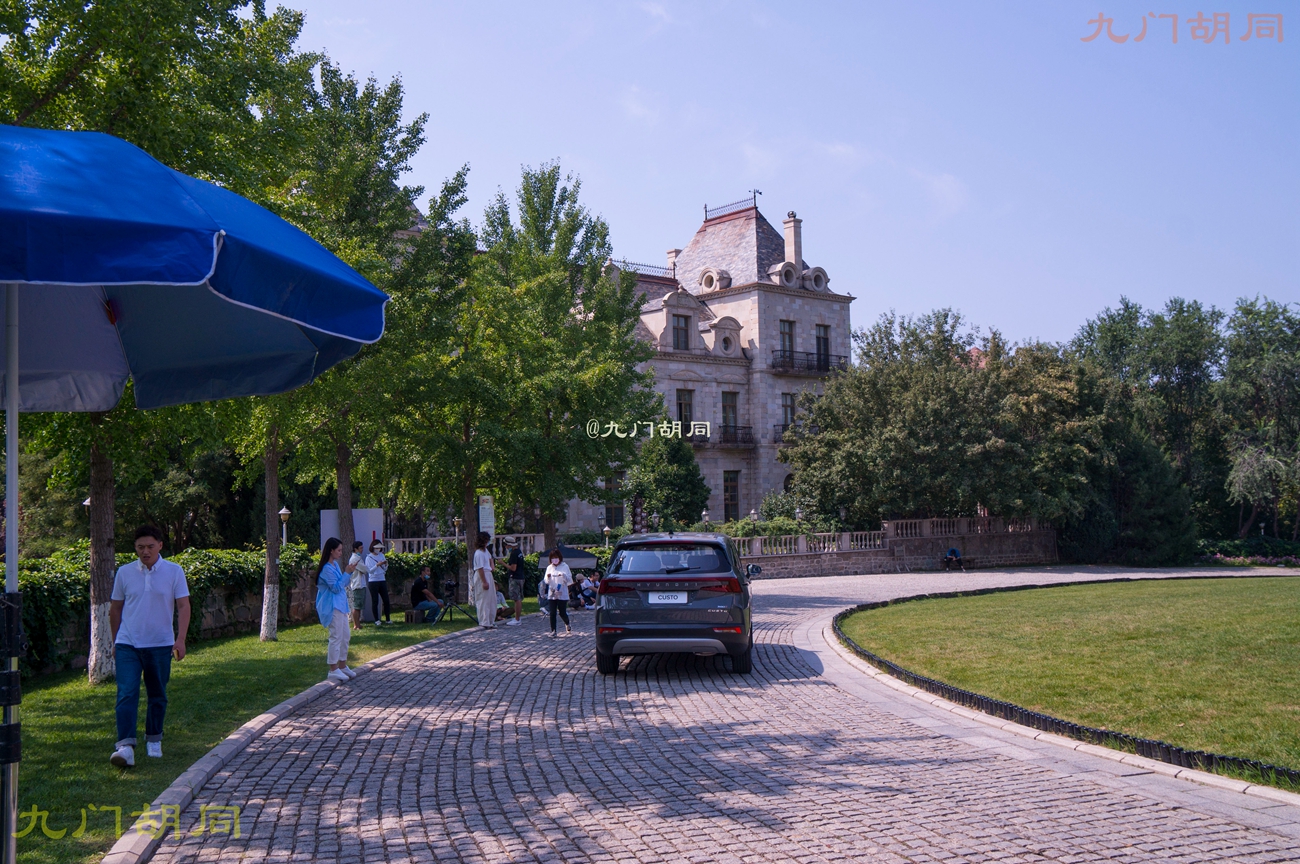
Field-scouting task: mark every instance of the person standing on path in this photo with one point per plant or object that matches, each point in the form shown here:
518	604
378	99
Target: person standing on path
483	590
557	580
515	577
145	592
332	609
357	569
377	575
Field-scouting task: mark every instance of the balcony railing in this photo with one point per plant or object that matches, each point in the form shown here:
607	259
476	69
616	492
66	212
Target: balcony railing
779	430
735	436
808	363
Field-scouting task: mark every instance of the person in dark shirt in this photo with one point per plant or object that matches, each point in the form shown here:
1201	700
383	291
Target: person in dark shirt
422	599
515	579
953	557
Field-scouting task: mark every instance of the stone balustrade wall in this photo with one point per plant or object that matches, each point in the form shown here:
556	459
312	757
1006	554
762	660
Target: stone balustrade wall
904	554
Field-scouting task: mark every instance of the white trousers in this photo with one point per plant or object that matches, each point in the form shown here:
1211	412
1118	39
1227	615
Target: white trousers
485	602
340	635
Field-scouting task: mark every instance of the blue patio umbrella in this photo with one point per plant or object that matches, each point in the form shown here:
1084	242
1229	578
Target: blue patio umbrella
114	266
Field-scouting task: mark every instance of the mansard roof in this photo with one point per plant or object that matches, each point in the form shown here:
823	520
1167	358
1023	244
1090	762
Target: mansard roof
742	243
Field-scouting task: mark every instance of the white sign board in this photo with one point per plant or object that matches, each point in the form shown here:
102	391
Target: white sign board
367	525
487	515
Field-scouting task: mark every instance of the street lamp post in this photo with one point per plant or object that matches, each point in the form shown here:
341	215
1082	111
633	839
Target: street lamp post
753	516
284	526
704	517
455	529
607	533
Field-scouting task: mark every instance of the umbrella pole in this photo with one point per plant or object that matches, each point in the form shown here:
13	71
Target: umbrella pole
9	770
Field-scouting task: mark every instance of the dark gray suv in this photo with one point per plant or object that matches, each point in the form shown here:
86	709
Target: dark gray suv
675	593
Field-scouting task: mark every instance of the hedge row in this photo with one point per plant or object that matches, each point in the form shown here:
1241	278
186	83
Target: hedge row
1253	546
56	590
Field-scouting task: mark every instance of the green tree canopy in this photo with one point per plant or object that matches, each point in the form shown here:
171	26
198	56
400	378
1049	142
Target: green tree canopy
935	421
667	479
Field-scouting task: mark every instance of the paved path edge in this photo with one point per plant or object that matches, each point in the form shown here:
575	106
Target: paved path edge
136	847
1205	778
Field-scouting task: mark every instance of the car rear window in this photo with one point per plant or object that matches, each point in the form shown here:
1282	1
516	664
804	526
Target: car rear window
669	558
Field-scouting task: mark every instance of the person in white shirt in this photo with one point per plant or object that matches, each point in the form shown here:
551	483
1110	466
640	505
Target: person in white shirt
377	577
588	590
482	587
556	583
145	593
357	569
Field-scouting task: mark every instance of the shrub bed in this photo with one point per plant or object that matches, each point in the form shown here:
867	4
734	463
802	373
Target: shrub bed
1250	551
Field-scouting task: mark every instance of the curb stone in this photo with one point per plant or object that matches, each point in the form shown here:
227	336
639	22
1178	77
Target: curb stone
136	846
1205	778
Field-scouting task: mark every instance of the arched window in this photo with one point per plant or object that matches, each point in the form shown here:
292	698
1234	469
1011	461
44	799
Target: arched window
789	482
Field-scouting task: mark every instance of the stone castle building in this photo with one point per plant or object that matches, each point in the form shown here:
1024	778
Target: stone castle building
741	324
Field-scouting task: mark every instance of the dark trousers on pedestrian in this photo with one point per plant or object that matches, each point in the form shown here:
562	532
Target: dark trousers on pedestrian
377	590
559	606
155	666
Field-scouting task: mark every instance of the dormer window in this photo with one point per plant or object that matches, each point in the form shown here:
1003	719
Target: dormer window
726	344
682	332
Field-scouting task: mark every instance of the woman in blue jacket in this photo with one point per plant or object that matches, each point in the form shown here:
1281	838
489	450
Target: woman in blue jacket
332	609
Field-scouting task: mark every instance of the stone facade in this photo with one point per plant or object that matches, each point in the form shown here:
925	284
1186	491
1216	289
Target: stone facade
733	286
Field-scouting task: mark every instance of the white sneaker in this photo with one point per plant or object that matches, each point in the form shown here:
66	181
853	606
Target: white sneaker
153	748
349	671
513	622
337	676
123	757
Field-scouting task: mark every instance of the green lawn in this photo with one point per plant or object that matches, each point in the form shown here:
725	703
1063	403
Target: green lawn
68	728
1206	664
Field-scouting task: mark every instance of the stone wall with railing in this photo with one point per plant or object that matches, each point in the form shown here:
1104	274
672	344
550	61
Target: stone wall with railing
901	545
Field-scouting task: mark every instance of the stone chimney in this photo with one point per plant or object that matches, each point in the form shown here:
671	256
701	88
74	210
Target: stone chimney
672	259
793	240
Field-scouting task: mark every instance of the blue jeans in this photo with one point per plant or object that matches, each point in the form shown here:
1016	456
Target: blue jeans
155	665
428	607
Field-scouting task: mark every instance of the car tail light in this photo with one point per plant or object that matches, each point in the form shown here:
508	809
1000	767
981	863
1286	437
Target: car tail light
726	586
609	586
609	629
728	630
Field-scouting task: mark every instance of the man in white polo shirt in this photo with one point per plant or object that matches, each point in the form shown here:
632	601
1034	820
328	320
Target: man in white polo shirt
144	594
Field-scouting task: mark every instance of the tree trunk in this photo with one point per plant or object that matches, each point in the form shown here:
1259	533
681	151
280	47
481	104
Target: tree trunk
1245	529
343	479
469	524
548	532
271	579
102	665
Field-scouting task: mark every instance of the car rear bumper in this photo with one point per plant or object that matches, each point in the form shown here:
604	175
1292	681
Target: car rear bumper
700	645
665	640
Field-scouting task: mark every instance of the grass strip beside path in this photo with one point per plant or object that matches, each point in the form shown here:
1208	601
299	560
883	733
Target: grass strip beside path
1206	664
68	726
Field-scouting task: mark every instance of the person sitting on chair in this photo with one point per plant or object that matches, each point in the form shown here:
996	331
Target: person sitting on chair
423	599
953	557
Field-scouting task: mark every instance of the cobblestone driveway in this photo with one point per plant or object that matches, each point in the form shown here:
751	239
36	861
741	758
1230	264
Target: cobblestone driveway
507	746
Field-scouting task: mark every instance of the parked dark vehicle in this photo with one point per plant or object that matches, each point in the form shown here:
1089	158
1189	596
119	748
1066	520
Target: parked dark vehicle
668	593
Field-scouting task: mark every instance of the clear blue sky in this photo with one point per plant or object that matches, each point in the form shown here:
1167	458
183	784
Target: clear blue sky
974	155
